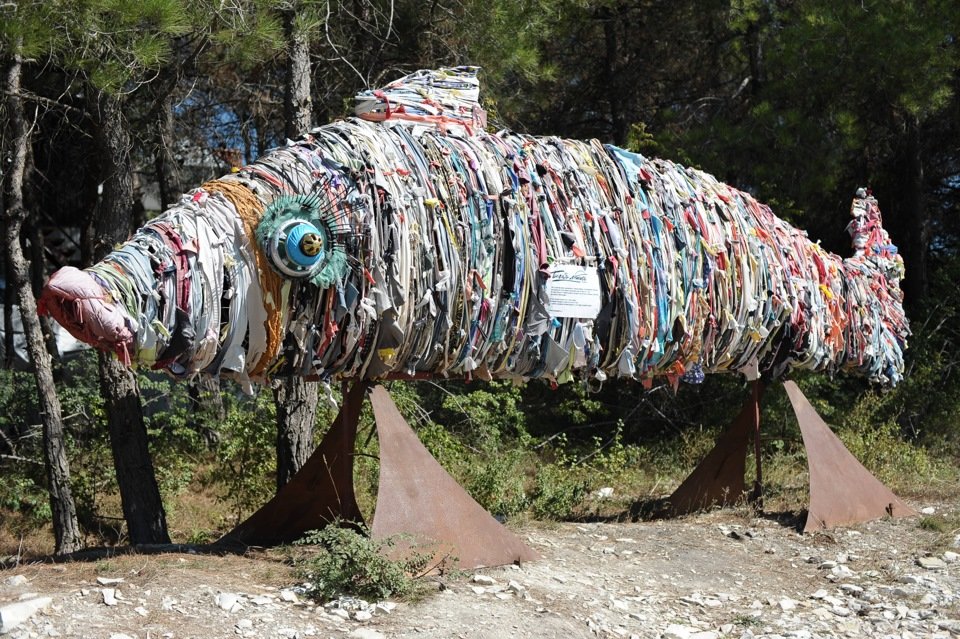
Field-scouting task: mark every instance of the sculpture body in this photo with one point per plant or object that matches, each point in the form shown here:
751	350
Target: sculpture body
434	248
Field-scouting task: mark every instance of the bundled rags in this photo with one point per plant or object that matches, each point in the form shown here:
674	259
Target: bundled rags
409	242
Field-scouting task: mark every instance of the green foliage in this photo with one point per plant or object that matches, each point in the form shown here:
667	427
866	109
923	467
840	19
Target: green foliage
497	480
349	562
558	492
247	454
119	42
879	446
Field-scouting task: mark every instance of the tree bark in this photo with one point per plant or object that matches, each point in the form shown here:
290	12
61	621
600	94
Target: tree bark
139	493
618	119
297	103
66	530
168	177
296	402
296	399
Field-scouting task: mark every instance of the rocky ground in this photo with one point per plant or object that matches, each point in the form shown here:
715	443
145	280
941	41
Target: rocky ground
723	574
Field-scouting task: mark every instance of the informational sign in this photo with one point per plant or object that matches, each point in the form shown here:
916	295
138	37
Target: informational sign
574	291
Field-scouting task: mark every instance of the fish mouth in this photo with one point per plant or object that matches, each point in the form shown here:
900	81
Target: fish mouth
87	310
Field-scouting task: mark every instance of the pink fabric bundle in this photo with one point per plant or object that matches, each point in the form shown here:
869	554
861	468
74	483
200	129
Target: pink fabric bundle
79	304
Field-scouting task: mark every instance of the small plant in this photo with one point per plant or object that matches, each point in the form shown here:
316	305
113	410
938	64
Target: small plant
557	493
350	562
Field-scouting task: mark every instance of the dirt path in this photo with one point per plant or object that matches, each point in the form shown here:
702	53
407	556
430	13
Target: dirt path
714	575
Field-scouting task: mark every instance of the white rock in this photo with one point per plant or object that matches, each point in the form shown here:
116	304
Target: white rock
244	624
366	633
339	612
828	565
362	615
120	635
14	614
140	610
604	493
950	557
619	604
288	596
15	580
786	604
109	596
842	572
929	510
478	590
841	611
910	579
705	634
288	633
932	563
852	589
820	594
484	580
385	607
516	587
109	581
676	631
228	601
261	600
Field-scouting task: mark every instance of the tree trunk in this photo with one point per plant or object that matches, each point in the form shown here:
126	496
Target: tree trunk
296	402
168	176
296	399
907	217
139	493
297	103
66	530
618	119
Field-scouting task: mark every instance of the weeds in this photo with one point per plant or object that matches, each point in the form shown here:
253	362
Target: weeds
348	562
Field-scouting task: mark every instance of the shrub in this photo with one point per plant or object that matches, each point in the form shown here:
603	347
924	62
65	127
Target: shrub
350	562
558	491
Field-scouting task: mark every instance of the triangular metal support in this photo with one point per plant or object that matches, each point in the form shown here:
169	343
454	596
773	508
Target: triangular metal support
842	491
321	492
416	497
718	479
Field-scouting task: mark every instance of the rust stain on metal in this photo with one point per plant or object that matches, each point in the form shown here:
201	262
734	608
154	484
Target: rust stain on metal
842	491
320	493
417	497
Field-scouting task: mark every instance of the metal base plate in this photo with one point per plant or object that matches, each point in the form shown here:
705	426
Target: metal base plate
842	491
417	497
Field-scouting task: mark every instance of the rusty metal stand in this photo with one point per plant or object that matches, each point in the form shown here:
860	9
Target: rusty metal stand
416	496
842	491
718	479
320	493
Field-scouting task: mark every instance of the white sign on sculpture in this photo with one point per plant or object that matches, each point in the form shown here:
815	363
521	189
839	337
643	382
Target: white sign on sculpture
573	291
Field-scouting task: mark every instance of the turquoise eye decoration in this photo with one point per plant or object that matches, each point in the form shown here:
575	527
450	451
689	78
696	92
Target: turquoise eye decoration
303	235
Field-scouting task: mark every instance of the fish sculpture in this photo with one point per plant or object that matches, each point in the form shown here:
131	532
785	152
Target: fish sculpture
410	242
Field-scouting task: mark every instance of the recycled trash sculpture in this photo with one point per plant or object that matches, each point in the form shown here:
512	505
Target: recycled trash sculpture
410	243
